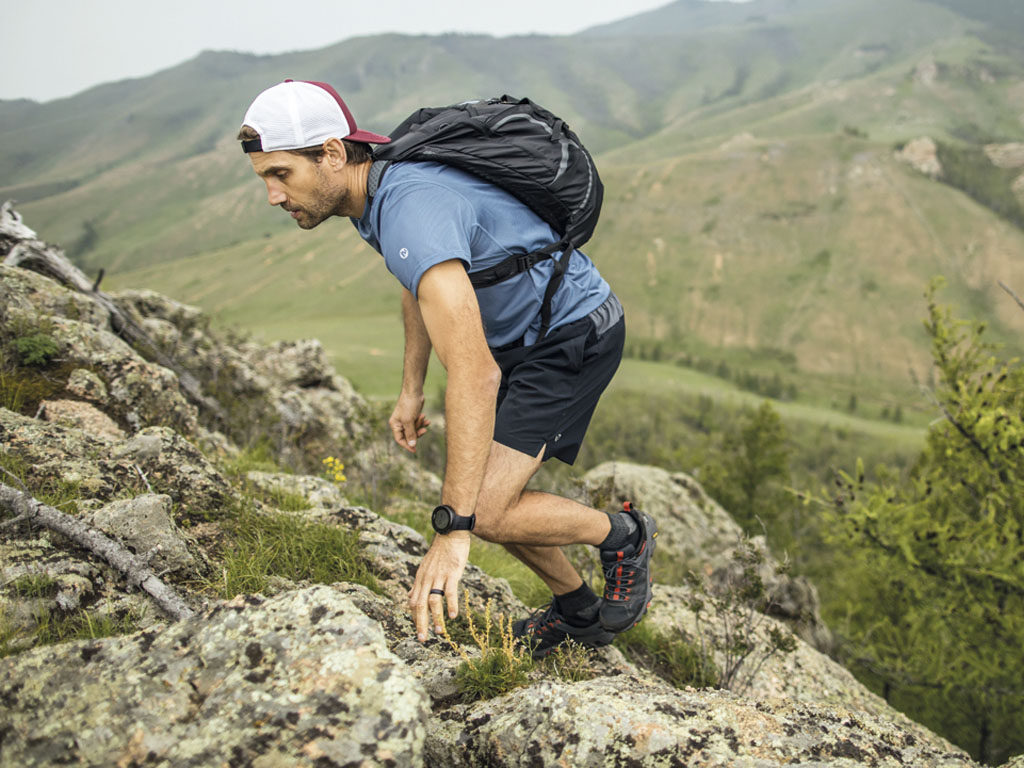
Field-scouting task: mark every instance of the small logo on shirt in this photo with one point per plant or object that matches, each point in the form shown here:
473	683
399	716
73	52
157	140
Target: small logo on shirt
404	253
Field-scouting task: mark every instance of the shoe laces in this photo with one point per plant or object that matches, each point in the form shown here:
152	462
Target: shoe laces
543	620
619	577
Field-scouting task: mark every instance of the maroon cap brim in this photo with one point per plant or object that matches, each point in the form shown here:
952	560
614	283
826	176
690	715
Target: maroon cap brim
369	138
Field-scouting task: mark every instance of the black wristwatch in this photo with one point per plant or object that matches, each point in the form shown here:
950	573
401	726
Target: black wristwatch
445	519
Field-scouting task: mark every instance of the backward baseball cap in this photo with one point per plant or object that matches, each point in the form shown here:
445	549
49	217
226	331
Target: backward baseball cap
298	114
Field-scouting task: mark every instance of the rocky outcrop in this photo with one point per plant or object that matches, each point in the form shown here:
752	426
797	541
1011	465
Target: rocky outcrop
1006	155
921	155
803	675
304	679
624	721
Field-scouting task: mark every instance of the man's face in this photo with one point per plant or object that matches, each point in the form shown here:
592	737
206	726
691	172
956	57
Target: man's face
300	186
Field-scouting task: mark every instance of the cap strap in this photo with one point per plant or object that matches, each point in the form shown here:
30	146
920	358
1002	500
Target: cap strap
252	145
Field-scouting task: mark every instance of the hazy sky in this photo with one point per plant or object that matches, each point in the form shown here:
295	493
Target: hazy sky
55	48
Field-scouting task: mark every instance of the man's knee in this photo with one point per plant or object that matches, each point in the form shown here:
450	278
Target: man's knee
491	516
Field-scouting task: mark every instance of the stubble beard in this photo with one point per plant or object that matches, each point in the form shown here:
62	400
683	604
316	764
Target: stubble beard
328	200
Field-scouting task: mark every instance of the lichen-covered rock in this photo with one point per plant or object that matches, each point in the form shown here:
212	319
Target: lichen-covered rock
42	582
86	385
155	459
83	416
292	363
33	293
174	466
303	679
804	675
622	721
145	525
318	491
150	304
140	393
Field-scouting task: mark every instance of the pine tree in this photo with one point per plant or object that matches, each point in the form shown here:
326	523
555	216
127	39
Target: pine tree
943	553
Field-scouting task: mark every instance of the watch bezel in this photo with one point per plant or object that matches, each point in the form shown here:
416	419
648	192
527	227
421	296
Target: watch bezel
445	510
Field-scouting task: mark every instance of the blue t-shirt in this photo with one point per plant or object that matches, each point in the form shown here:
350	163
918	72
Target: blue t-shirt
427	213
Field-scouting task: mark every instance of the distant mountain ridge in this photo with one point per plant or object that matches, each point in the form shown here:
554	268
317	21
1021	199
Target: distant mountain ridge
753	201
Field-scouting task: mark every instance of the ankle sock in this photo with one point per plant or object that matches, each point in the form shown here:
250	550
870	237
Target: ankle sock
579	607
625	532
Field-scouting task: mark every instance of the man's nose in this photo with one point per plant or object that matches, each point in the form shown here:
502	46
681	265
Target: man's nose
274	194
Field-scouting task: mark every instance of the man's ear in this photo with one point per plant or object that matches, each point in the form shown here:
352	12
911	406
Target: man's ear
334	154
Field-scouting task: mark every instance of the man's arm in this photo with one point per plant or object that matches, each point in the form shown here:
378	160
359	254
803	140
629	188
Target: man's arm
407	420
451	317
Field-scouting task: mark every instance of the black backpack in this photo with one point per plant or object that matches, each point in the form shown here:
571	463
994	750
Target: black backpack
520	147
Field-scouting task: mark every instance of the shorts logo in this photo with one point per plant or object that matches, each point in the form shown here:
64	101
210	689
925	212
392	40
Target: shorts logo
558	437
404	253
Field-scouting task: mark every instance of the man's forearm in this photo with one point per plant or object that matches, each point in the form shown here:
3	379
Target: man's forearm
469	415
417	346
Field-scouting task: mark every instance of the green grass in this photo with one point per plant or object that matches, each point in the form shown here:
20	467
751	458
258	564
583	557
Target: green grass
260	546
54	626
673	659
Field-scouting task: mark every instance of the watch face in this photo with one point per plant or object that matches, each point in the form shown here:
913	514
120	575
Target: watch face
442	519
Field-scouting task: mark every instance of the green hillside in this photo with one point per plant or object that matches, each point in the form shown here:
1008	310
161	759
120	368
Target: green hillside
754	208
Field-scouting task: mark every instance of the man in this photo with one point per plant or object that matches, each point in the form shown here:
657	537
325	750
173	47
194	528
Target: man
512	400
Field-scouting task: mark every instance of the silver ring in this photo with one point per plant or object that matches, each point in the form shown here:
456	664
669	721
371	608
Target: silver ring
437	592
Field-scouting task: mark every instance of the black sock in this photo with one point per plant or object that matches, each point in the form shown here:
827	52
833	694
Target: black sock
578	606
624	532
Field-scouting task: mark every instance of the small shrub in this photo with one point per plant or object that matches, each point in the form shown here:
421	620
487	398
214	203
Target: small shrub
741	606
503	665
569	662
37	349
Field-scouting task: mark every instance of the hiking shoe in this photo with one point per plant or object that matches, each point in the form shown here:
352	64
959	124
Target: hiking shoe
627	575
547	629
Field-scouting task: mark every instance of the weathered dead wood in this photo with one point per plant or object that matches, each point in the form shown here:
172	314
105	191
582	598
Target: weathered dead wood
26	251
139	575
1005	287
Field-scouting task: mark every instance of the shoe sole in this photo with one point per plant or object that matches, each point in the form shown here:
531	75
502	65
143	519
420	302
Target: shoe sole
651	529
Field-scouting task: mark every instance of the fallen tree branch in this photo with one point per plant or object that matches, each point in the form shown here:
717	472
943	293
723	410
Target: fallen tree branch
138	573
1005	287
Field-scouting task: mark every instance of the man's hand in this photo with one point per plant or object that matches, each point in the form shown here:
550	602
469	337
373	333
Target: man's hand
407	421
441	569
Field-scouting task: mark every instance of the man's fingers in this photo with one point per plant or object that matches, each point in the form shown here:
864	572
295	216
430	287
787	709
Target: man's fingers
451	592
418	608
436	602
404	435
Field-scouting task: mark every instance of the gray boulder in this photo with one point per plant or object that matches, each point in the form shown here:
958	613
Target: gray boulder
304	679
145	525
624	721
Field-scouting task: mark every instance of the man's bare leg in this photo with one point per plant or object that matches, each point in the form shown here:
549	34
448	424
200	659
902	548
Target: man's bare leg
533	525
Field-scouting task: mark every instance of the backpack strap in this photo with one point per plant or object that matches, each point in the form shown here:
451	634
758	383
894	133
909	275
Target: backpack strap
377	168
504	270
520	262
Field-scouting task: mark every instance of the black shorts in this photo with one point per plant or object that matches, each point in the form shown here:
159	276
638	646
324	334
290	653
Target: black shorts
549	390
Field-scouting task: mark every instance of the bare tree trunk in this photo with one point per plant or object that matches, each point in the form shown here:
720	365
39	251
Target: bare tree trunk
139	574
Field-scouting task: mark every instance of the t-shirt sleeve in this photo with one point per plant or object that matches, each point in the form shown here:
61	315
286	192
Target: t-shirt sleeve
421	225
